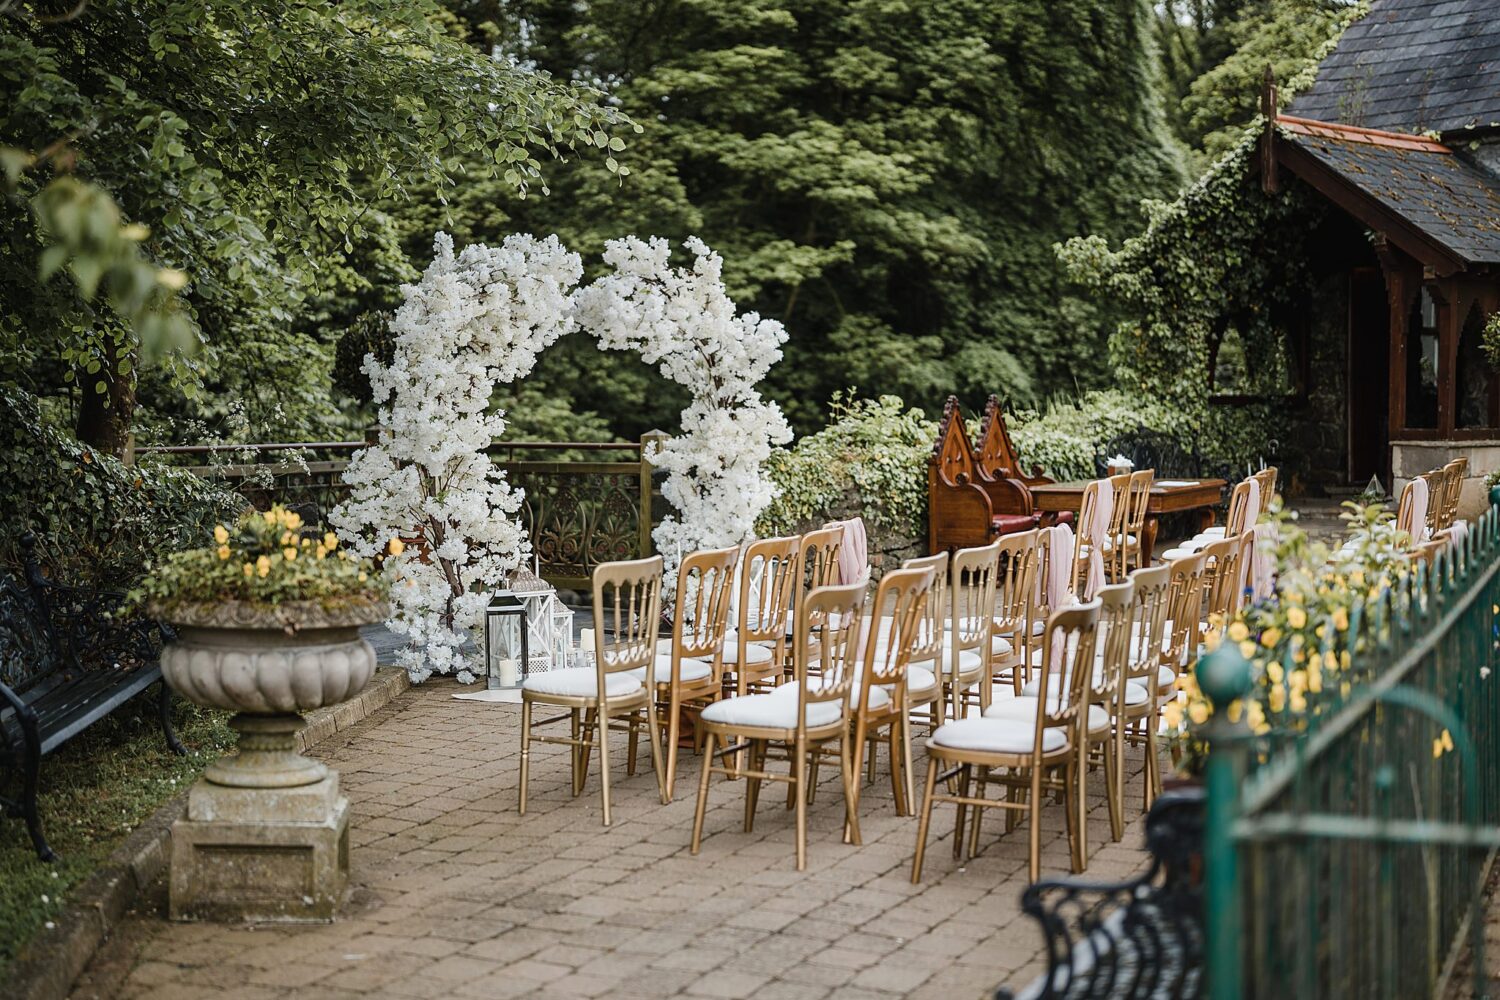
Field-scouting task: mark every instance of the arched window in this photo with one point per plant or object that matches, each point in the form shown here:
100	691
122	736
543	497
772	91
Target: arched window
1422	362
1475	381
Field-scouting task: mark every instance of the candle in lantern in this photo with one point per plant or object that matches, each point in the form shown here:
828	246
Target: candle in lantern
586	643
508	673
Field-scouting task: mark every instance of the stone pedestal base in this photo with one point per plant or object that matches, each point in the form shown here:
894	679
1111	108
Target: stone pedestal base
261	854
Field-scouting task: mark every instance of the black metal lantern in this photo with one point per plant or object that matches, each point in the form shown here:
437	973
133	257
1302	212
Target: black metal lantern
505	653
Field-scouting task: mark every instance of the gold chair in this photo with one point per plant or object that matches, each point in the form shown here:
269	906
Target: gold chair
694	667
925	662
1084	542
1437	499
817	566
1226	561
1015	592
1187	579
1453	488
966	674
1028	751
1142	694
1113	543
880	693
757	647
811	710
1137	498
627	602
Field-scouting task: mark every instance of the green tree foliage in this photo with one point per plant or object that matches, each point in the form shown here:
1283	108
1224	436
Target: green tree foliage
250	145
1216	55
884	176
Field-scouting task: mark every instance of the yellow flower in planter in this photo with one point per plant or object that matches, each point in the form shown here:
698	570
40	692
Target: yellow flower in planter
1238	632
1198	712
293	520
1296	617
1341	619
321	552
1247	649
221	534
1172	715
1270	637
1276	698
223	552
1274	672
363	576
249	569
287	538
263	566
396	547
307	543
289	554
330	541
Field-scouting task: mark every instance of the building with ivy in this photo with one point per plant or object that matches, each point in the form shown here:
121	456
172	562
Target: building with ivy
1399	138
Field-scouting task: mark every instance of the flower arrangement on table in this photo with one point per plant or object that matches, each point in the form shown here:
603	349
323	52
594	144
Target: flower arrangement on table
265	560
1306	644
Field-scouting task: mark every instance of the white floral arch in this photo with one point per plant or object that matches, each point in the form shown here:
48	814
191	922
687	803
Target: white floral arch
481	318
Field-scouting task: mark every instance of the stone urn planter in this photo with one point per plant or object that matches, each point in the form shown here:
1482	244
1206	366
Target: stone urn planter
265	834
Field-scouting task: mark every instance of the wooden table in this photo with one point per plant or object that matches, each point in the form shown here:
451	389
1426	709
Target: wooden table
1168	496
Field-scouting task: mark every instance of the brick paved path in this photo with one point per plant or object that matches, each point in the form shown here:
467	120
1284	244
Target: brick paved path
457	896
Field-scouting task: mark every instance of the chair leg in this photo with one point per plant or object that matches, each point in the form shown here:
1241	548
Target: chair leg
978	820
850	779
656	764
799	770
958	826
708	763
1072	782
1153	762
898	771
164	712
525	750
756	755
1114	760
1035	819
630	748
603	725
857	747
674	721
925	821
906	765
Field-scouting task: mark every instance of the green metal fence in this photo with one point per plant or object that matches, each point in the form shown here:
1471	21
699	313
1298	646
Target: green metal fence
1347	860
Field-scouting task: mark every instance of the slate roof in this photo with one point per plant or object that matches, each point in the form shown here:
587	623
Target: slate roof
1412	66
1451	201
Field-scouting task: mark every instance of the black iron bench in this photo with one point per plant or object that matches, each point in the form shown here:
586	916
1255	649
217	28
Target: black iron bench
1137	939
66	661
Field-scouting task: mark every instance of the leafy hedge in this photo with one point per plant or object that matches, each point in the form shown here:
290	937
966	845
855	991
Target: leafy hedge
871	459
97	521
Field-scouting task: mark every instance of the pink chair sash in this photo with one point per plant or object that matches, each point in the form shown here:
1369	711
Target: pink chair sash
1104	509
854	554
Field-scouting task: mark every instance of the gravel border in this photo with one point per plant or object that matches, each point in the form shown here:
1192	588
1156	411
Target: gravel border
53	960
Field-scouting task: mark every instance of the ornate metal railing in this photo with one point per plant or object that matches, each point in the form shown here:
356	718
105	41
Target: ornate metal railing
1347	860
578	511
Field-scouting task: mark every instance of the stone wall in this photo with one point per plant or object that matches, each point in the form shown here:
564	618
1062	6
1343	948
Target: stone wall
1412	458
888	546
1317	449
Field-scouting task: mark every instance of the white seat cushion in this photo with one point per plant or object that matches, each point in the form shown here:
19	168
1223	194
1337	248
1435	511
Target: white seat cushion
1210	534
1023	709
777	710
581	682
999	644
755	655
1135	694
691	670
995	736
920	680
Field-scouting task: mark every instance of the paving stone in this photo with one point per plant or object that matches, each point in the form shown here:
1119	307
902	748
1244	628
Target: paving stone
472	900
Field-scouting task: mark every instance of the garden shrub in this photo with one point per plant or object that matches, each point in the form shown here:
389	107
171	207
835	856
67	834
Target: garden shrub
96	520
870	460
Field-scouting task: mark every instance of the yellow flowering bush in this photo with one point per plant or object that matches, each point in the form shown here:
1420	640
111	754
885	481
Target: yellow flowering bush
267	558
1306	644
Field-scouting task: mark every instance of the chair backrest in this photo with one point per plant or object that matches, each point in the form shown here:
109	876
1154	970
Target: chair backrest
1406	510
929	647
1116	629
1185	607
1453	487
1069	641
1086	541
972	601
1015	582
705	581
827	646
895	630
1437	498
768	578
1225	563
1138	496
818	555
627	606
1239	508
1153	607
